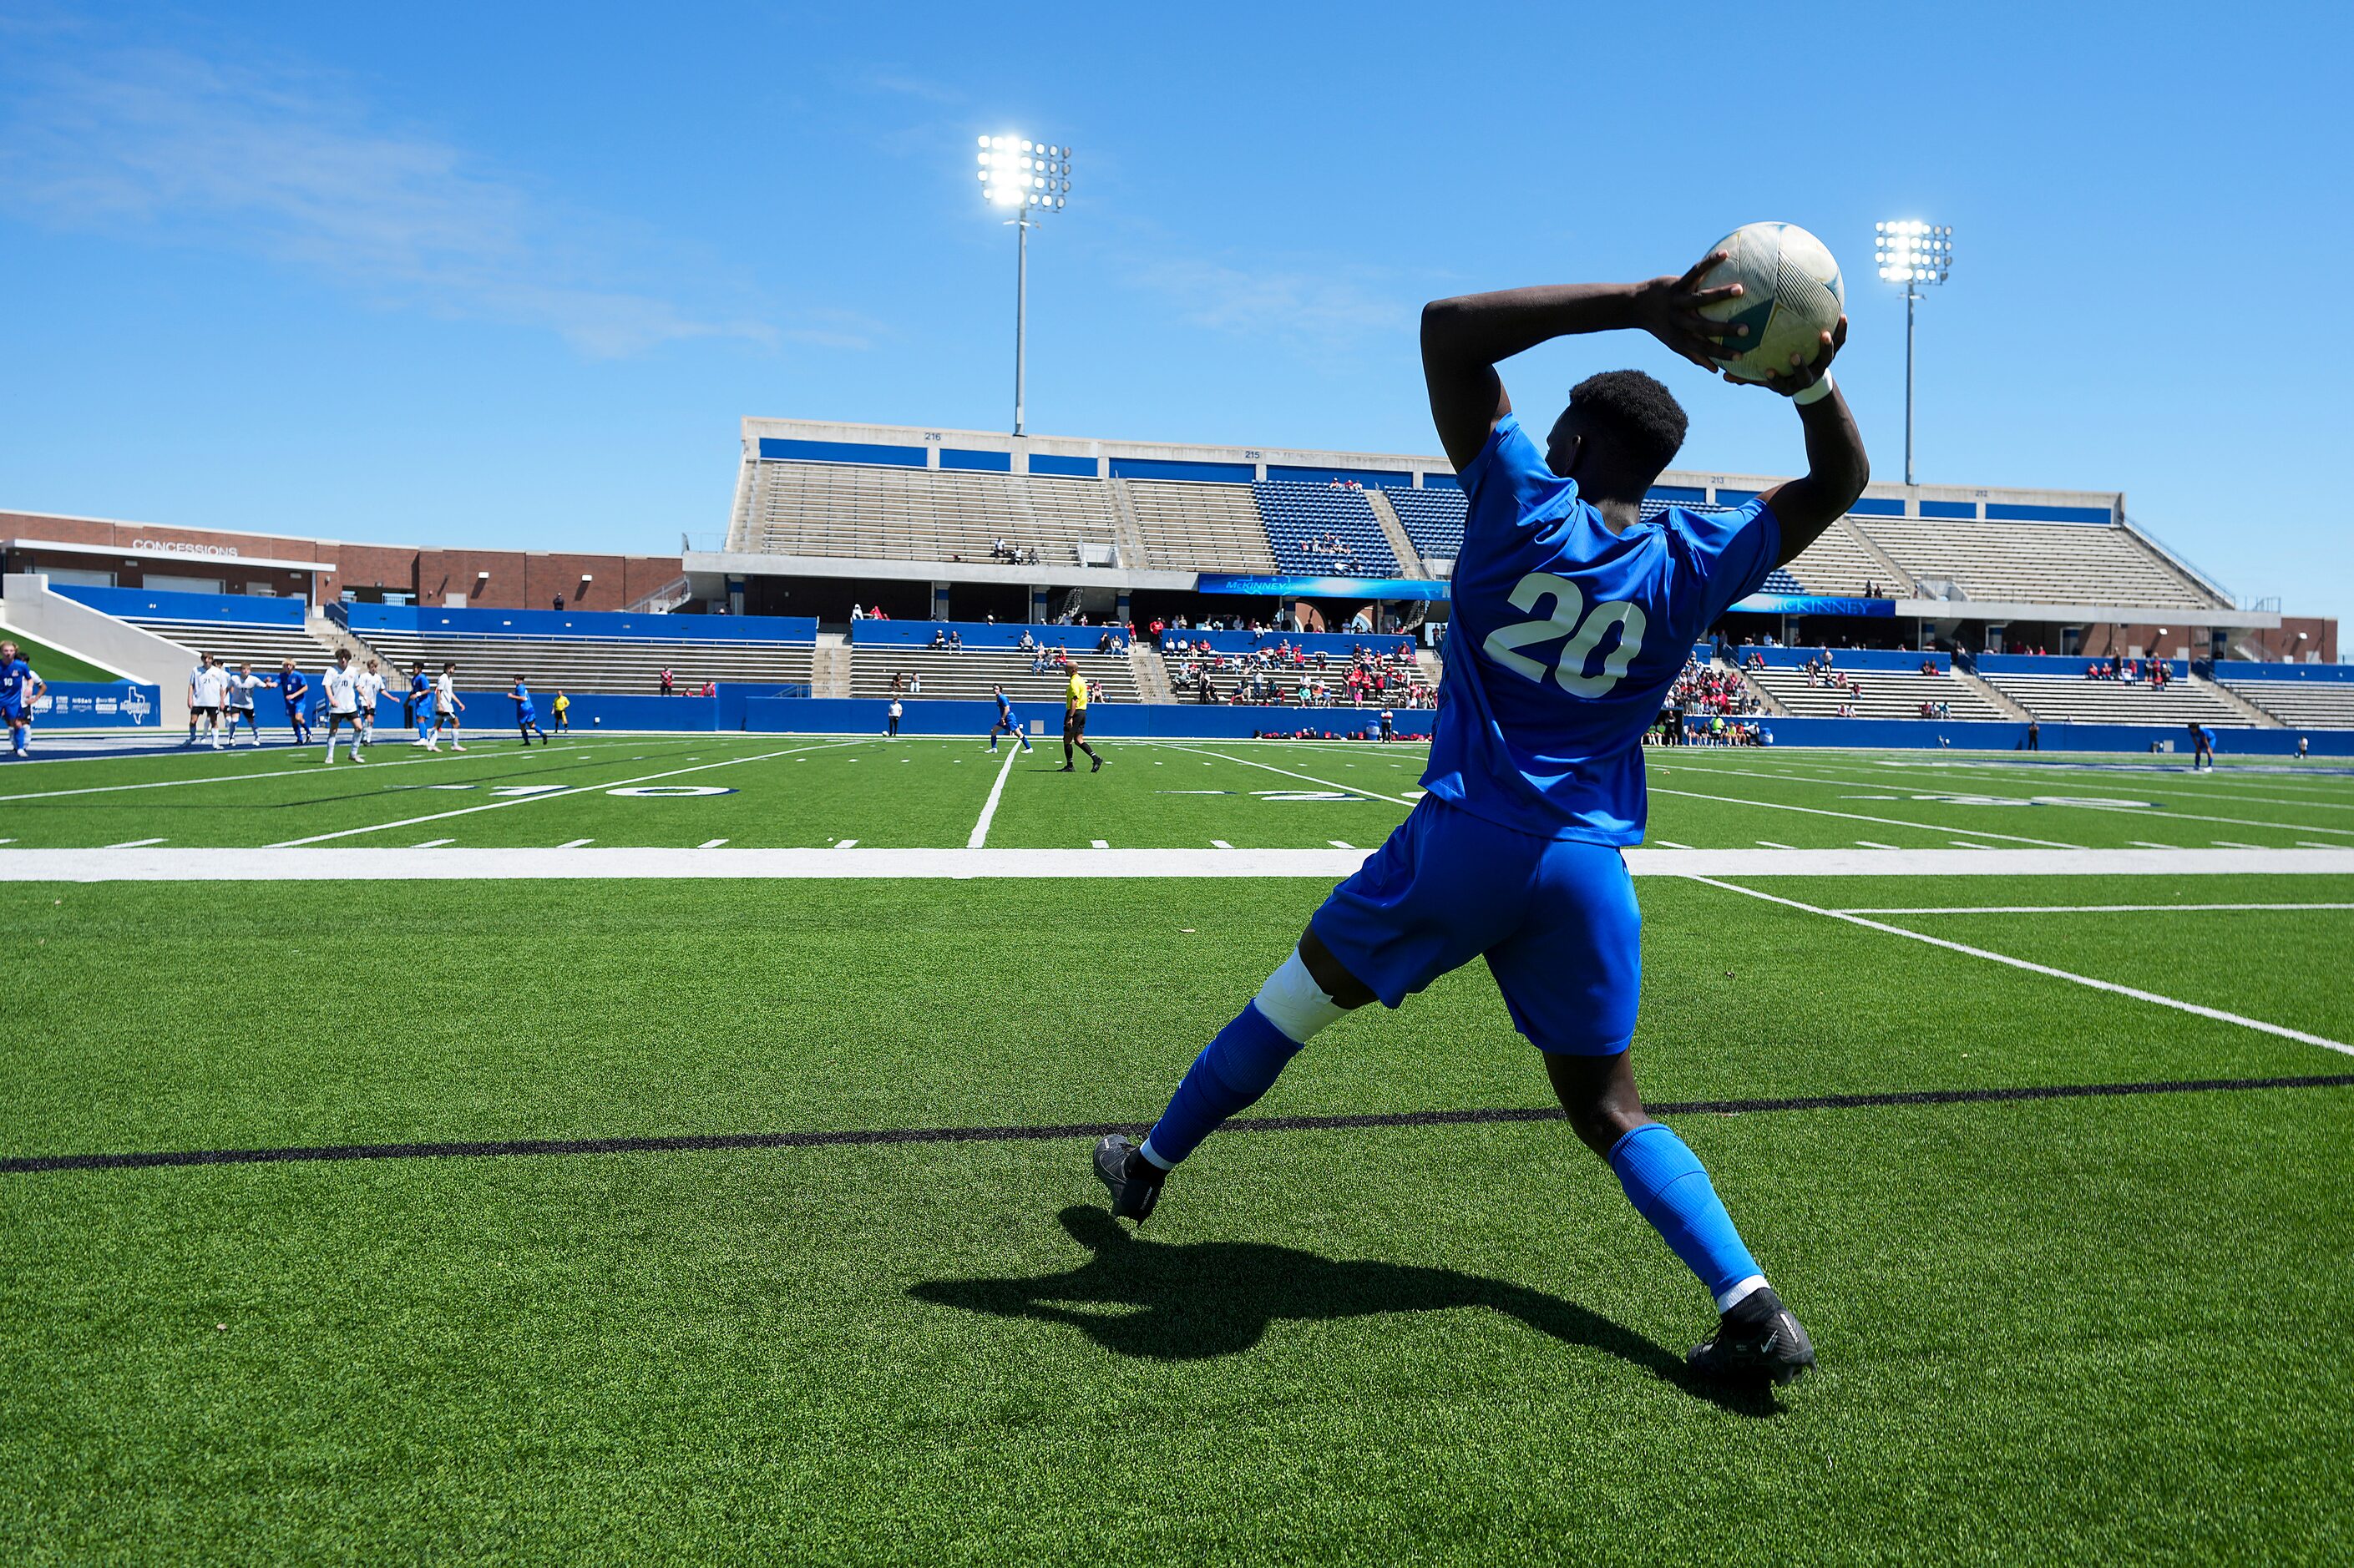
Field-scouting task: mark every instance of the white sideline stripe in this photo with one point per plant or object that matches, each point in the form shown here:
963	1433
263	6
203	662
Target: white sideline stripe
135	844
305	864
1851	816
711	843
549	795
1288	773
576	844
2082	909
1100	843
1769	843
1670	843
436	844
979	834
1220	843
308	770
2110	986
845	843
1336	843
1873	844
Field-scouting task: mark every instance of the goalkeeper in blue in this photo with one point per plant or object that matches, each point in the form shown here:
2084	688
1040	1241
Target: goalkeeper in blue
1573	614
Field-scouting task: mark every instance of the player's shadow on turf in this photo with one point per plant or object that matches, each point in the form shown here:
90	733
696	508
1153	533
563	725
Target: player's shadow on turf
1194	1301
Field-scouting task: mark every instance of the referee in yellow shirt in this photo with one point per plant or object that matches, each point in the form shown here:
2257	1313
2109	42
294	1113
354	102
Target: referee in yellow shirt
1075	722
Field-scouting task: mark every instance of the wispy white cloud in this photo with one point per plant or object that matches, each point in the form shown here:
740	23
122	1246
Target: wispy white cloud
1324	311
294	167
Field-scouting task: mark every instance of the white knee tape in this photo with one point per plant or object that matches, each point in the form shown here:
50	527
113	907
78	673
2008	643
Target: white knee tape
1294	1003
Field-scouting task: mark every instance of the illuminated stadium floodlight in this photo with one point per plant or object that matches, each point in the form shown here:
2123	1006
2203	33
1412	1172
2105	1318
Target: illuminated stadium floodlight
1917	255
1029	179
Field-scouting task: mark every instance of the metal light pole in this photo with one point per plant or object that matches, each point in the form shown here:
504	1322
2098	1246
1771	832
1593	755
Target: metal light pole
1033	179
1915	254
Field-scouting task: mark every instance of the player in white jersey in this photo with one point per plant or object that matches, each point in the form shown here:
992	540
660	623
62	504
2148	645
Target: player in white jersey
237	702
447	706
370	686
341	683
207	685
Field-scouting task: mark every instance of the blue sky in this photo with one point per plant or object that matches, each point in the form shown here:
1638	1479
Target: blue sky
510	274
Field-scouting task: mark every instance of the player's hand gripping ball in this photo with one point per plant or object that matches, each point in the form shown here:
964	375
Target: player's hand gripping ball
1791	294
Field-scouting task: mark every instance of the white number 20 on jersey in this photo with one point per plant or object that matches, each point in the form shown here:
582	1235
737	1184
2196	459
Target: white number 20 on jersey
1566	618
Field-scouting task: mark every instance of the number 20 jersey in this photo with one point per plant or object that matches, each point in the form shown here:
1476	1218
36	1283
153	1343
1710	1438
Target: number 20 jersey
1565	638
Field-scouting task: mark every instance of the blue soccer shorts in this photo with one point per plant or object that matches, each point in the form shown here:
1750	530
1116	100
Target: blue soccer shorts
1556	921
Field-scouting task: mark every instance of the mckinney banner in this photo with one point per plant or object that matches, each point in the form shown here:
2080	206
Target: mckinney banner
1810	604
1321	587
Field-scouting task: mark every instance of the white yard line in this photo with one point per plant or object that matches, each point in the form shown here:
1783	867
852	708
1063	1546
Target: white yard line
436	844
1336	843
135	844
1220	843
979	837
576	844
484	863
711	843
1871	843
1854	817
2110	986
2082	909
1288	773
550	795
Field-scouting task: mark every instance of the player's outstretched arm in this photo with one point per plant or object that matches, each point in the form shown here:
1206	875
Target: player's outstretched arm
1464	338
1837	466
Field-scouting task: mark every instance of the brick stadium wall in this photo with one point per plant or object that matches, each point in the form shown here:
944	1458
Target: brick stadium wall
519	579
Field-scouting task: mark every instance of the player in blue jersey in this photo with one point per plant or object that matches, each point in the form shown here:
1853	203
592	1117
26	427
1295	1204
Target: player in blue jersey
418	706
2202	748
294	687
526	713
19	690
1007	724
1572	616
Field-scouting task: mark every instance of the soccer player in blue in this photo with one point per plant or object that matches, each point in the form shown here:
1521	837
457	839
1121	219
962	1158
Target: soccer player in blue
526	713
19	690
1572	615
1007	724
419	704
294	687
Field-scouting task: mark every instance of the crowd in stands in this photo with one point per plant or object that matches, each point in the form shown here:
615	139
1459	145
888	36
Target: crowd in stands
1672	730
1330	544
2117	668
1356	679
1701	689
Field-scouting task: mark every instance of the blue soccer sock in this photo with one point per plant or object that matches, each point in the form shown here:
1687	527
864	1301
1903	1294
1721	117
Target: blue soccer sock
1232	1072
1668	1185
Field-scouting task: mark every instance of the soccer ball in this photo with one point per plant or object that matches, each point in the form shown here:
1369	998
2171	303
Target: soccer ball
1791	294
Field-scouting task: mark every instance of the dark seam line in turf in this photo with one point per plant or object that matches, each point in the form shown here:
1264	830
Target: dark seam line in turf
692	1142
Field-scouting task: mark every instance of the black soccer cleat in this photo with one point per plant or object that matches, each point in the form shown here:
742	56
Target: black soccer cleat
1133	1180
1757	1342
1099	766
1065	768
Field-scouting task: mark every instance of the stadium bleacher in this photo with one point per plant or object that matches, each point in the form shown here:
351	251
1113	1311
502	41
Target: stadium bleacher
2057	690
1839	564
1886	694
588	651
1433	519
236	629
991	655
875	513
1299	516
2305	697
2035	563
1198	527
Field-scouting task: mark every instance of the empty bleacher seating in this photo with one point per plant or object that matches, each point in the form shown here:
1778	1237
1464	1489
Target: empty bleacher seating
918	514
2035	563
1199	528
2305	697
2073	699
1299	517
1433	519
1886	694
588	652
1839	564
235	628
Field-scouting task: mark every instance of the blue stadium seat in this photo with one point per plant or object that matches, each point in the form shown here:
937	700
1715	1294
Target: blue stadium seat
1433	520
1294	514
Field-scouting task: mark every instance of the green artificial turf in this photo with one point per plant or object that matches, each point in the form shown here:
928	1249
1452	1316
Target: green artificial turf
814	791
55	664
2096	1327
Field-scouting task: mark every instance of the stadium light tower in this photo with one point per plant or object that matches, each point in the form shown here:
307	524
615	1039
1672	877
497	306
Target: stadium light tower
1031	179
1917	255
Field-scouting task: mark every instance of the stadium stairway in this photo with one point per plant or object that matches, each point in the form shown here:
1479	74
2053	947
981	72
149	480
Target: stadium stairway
830	666
1765	699
1393	530
336	637
1151	674
2250	713
1987	693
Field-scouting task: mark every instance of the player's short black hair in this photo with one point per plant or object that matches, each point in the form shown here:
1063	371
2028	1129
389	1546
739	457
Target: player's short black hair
1641	413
